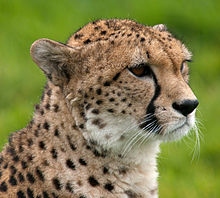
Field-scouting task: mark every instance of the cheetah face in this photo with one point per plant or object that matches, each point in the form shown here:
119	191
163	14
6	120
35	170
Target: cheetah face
124	83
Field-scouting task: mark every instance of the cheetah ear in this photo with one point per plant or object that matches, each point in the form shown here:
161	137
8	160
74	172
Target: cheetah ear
160	27
57	60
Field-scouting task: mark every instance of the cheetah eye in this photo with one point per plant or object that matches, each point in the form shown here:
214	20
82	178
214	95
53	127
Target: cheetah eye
141	70
183	65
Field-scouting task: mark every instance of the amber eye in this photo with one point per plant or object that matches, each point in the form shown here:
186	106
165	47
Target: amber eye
141	70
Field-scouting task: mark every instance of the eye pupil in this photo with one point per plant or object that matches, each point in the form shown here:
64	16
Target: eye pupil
141	70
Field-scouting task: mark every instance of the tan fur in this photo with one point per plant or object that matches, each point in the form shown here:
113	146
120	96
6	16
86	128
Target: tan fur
85	138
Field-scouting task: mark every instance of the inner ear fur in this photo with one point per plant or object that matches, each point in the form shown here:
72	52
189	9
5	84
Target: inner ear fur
58	61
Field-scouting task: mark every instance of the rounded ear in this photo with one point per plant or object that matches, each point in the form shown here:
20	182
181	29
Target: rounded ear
160	27
55	59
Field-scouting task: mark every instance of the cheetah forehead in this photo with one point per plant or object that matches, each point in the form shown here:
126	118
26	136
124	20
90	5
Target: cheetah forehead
102	30
116	30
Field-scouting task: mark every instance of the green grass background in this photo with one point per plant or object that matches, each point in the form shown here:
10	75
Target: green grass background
196	22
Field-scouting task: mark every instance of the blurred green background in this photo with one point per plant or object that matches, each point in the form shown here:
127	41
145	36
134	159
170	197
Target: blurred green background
196	22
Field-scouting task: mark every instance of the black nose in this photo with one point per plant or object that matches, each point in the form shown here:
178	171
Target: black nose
185	107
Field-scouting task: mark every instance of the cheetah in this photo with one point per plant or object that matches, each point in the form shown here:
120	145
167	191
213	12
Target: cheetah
114	92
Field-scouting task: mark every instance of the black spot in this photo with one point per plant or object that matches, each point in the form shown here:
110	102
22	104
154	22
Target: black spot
47	106
142	39
88	106
109	187
82	114
72	146
87	41
15	158
116	76
70	164
24	164
56	108
129	105
148	55
98	102
123	111
3	187
5	166
93	182
36	133
39	174
57	184
98	39
13	170
96	153
78	36
42	112
96	121
130	194
42	145
82	162
46	125
54	153
20	194
69	187
81	126
137	35
30	142
111	99
20	177
128	35
99	91
110	110
97	27
30	157
103	32
30	178
49	92
45	194
107	83
30	193
123	99
95	111
105	170
11	151
122	170
56	132
12	181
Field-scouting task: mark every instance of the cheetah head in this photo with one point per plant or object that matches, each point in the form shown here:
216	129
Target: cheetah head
124	83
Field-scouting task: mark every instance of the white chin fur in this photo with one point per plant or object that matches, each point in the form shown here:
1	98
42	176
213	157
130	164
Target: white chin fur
114	134
178	130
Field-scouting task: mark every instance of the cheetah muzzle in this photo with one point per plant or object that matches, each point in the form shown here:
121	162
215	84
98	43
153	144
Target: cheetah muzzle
114	92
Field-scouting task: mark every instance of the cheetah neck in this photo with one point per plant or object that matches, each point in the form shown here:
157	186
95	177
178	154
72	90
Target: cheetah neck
53	146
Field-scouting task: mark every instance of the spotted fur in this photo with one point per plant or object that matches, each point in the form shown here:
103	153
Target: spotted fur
97	129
